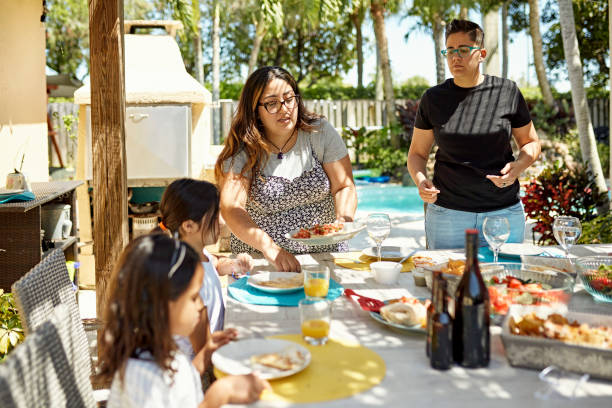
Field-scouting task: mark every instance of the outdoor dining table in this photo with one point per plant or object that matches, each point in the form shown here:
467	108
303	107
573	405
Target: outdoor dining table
409	381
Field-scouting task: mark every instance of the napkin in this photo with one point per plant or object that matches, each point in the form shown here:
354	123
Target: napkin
24	196
361	262
244	293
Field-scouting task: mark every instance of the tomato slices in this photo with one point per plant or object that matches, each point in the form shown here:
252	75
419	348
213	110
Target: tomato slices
318	230
511	290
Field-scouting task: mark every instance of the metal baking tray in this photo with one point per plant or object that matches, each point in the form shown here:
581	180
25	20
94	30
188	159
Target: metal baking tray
538	353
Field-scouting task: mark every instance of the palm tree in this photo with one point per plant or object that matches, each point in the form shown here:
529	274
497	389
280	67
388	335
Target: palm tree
505	38
586	135
377	11
490	22
267	17
216	78
538	56
357	15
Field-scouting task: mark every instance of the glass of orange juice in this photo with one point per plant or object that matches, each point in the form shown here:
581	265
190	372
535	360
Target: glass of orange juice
316	280
315	316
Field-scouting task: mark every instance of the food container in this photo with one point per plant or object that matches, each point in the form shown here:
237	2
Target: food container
386	272
595	272
452	279
538	353
556	292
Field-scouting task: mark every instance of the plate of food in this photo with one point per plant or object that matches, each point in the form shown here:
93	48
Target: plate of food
270	358
406	313
326	234
516	250
277	282
387	253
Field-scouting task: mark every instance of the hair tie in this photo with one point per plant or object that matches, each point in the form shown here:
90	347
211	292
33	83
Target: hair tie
163	227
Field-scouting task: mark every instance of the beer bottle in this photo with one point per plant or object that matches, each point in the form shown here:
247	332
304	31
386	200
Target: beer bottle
430	310
442	333
471	339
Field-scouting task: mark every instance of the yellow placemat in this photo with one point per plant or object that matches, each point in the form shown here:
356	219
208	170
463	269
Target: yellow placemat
336	370
361	262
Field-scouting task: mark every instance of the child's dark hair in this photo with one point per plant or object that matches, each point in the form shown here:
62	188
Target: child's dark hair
189	199
465	26
152	270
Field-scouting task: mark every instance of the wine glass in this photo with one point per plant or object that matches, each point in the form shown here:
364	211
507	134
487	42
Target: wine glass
379	227
496	230
566	230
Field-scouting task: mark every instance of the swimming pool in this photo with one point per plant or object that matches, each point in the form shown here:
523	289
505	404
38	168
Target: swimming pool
389	198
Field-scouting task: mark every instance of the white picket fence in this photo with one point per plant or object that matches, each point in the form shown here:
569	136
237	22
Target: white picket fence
340	113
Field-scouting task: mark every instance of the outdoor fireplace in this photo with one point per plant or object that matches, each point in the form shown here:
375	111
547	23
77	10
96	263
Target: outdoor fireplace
167	119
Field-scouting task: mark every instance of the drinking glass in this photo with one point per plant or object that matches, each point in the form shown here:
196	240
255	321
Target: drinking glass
496	230
316	280
315	318
379	227
567	230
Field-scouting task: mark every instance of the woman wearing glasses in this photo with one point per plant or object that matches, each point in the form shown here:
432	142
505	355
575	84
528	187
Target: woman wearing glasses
281	168
472	118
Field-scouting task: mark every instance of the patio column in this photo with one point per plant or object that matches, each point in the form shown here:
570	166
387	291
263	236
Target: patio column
108	139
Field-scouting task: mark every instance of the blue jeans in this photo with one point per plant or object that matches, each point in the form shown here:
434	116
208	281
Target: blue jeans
445	228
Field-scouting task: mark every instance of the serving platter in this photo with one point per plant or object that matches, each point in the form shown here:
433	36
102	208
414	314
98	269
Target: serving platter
348	231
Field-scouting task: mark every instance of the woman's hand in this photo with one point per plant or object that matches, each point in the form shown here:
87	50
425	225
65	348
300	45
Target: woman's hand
510	173
428	192
282	260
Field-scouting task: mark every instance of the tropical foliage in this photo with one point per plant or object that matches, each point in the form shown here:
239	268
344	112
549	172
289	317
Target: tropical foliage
559	190
11	332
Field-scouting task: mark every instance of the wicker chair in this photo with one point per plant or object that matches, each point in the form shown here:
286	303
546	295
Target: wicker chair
37	294
44	370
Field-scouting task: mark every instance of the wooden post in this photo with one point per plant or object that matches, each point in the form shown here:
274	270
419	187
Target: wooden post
108	139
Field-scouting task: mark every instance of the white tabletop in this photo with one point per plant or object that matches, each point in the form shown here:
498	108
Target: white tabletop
409	380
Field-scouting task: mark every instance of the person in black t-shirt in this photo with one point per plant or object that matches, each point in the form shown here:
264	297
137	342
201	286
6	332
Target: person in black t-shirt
472	118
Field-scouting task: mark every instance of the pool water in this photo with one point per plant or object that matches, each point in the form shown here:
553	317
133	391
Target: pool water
389	198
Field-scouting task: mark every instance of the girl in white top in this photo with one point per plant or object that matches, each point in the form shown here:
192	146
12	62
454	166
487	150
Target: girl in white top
190	208
154	295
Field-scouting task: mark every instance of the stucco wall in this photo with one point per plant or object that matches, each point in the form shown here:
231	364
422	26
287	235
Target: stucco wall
23	121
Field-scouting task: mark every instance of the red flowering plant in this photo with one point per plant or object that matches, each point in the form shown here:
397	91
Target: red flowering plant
558	190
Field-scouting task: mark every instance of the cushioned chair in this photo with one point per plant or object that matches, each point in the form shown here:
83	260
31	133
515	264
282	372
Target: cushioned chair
39	291
46	369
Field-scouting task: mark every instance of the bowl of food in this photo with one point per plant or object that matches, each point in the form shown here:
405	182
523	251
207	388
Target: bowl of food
595	272
452	271
528	285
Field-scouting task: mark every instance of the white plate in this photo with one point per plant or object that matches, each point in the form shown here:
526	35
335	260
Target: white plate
388	253
235	357
414	329
254	281
349	230
516	250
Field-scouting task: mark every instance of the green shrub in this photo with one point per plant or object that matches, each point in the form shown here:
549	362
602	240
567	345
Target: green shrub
560	191
11	332
373	150
597	231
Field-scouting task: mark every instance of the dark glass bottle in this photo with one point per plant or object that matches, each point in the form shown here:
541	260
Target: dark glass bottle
471	339
442	333
430	311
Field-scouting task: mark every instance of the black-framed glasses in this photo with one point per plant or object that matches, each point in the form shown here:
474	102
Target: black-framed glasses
178	255
275	106
460	51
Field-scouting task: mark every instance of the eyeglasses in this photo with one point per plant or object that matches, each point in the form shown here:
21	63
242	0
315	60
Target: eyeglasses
178	255
275	106
461	51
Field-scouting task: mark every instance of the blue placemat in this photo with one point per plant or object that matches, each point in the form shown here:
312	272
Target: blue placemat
25	196
244	293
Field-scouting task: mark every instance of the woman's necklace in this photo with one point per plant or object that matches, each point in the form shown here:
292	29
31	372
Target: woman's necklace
280	154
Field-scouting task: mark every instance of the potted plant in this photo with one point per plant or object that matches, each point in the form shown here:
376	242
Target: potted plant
11	332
